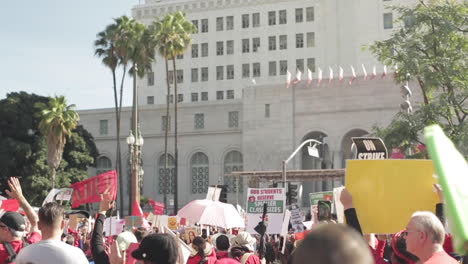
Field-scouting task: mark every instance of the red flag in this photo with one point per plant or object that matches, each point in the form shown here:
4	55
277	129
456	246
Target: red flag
157	207
10	205
136	209
89	190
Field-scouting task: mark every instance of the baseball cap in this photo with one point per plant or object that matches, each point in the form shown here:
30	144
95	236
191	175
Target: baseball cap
14	221
161	248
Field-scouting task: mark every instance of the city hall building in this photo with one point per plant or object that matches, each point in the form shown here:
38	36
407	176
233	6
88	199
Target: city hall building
236	111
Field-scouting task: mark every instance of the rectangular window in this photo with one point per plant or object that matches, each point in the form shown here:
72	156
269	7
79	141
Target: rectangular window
204	25
255	44
283	18
195	23
267	110
311	64
245	70
272	68
230	72
230	47
164	123
310	39
204	49
194	97
194	75
272	18
300	40
388	21
170	98
180	76
150	100
233	119
219	23
229	23
103	127
204	74
283	64
230	94
180	56
180	98
245	46
171	76
219	72
219	95
299	15
245	20
150	76
272	43
310	14
300	65
256	69
283	42
255	19
204	96
194	50
219	48
199	121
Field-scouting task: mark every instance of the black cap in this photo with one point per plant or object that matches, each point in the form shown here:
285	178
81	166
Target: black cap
14	221
161	248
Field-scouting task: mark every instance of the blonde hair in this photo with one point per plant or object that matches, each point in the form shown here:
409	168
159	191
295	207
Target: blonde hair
429	223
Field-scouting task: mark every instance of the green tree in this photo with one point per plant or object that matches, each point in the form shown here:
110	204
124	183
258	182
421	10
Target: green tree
23	149
432	47
58	119
172	35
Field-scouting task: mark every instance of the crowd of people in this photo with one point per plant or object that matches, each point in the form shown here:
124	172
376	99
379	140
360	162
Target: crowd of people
45	237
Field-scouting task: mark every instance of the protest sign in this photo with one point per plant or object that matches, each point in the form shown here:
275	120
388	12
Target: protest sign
275	198
51	196
369	148
338	205
213	193
387	192
320	196
452	170
190	234
113	226
65	194
157	207
172	222
133	221
296	219
9	205
90	190
284	228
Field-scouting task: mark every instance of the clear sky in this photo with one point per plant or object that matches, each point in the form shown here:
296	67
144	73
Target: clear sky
46	47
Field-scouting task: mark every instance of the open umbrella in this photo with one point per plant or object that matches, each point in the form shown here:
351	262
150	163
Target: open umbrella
222	215
193	210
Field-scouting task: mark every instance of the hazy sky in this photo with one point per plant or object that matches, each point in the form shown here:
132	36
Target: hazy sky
46	47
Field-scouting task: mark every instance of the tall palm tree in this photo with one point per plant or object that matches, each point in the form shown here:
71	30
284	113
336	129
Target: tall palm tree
172	36
57	122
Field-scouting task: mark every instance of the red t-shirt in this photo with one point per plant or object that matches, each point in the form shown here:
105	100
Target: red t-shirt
17	246
441	257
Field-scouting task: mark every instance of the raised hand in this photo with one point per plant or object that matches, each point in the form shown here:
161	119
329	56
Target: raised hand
15	191
107	202
438	189
115	256
346	199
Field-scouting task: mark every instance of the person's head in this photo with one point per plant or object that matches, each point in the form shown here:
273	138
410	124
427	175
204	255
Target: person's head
332	244
124	240
244	239
140	233
222	243
51	217
12	226
399	253
199	244
423	232
191	236
157	248
70	240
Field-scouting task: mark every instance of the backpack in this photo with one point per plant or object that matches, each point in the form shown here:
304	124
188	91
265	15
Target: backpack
11	251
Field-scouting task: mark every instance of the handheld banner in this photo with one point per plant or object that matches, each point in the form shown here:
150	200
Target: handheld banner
452	169
370	148
387	192
275	198
319	196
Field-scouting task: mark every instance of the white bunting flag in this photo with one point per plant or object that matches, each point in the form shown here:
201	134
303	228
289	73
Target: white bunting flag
374	72
340	76
309	76
384	73
288	78
364	72
319	79
330	77
298	77
353	75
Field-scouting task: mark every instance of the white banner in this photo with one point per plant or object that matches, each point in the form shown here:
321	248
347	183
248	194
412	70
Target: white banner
275	198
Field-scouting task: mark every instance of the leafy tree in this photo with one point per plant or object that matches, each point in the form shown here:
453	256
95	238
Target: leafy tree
432	47
23	149
172	37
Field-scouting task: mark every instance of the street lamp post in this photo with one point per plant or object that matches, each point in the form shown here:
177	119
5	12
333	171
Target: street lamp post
312	151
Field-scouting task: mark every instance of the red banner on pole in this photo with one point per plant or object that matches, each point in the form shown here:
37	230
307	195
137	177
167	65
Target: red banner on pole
89	191
158	207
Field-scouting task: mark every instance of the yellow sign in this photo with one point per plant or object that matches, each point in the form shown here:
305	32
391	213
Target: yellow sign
387	192
172	222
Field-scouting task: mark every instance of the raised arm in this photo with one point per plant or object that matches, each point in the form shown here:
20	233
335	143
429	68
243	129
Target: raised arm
350	212
97	242
17	193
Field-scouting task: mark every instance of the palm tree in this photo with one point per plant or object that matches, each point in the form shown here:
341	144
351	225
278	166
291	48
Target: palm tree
172	36
57	122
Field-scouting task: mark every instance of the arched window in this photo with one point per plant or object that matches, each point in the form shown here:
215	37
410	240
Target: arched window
166	176
103	164
233	162
200	172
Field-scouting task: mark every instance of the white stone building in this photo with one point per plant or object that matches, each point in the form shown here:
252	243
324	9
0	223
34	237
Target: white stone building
235	110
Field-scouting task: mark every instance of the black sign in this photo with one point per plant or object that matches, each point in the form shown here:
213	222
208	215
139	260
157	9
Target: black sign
369	148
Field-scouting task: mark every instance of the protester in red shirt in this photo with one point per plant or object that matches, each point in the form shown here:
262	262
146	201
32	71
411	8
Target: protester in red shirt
243	249
13	226
203	252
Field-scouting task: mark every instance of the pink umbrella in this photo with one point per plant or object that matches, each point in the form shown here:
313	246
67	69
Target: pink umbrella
221	215
194	210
